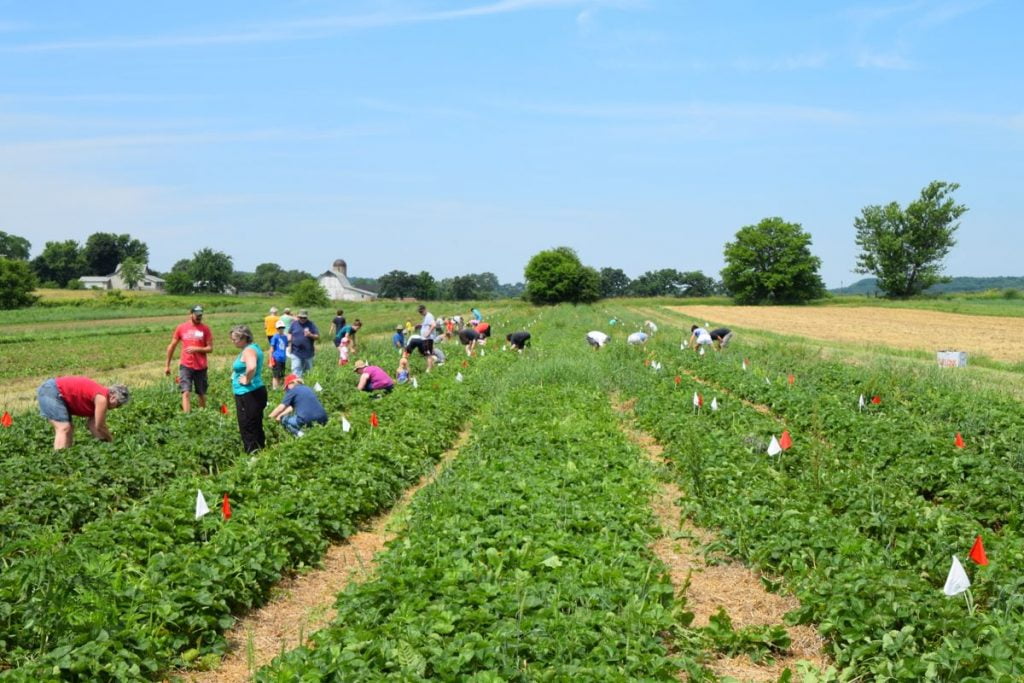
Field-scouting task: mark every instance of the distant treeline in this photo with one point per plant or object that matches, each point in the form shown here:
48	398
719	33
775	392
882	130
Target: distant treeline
869	285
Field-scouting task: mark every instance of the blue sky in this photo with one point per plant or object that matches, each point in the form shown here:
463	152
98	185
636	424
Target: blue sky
455	136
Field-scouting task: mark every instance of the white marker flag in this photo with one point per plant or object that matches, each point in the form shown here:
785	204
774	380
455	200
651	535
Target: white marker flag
504	347
860	403
714	403
767	381
345	424
696	400
682	347
317	388
774	448
702	350
415	384
458	377
744	366
481	352
202	508
957	581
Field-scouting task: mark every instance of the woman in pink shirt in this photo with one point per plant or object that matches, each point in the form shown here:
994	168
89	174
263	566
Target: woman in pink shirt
61	398
373	378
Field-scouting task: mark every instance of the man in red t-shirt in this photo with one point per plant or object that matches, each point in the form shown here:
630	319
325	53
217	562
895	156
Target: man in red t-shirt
196	341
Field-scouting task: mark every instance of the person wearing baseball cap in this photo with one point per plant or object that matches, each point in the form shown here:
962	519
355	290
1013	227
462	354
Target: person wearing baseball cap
196	341
278	353
373	378
302	336
300	408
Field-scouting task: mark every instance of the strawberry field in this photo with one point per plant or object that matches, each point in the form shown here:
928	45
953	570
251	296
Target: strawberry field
529	557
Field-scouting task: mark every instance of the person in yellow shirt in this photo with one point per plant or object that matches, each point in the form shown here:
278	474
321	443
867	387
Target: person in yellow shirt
270	323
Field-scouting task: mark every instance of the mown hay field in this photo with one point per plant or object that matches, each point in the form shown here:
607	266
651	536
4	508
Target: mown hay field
999	338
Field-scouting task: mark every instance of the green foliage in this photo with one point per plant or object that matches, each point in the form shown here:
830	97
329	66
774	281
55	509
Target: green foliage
760	643
59	262
671	282
614	282
557	275
396	284
16	284
270	277
104	250
178	282
210	271
772	263
14	247
904	248
308	294
132	271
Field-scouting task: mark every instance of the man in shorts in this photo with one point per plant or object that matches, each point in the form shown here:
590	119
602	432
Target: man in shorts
422	344
699	338
721	337
518	340
469	338
196	341
61	398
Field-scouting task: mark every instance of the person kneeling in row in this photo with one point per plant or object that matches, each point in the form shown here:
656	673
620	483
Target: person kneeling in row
299	408
373	378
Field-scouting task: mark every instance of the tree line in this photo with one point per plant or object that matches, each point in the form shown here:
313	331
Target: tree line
770	262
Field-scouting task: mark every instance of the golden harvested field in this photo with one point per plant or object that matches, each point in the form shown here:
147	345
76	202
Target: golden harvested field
998	338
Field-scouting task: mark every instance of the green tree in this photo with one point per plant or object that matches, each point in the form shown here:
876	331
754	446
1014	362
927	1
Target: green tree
464	288
16	284
486	285
59	262
104	250
696	283
614	282
14	247
178	282
210	270
309	293
397	284
426	286
772	263
904	248
671	282
182	266
268	277
132	272
557	275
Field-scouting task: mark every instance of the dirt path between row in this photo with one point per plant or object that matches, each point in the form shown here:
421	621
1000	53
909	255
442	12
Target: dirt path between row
999	338
709	587
306	602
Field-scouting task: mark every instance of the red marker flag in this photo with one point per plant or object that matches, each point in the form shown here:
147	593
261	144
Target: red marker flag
225	507
786	441
978	552
373	420
6	420
647	363
877	400
959	441
223	408
465	363
678	380
790	378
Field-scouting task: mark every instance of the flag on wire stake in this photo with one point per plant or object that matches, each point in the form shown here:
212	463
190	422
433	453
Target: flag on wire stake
317	388
225	507
698	400
790	378
345	424
373	420
504	347
860	403
773	446
223	408
714	403
876	400
958	441
481	353
744	365
957	581
6	421
978	552
785	441
415	384
701	351
678	380
458	376
201	507
767	381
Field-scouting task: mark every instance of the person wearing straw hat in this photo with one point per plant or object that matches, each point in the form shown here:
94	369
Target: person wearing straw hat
61	398
372	378
299	408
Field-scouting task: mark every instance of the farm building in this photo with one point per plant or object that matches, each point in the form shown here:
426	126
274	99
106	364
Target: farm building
335	281
148	282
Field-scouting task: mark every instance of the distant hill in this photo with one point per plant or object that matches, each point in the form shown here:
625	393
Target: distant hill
868	286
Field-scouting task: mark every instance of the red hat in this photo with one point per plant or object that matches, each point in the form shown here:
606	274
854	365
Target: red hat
292	378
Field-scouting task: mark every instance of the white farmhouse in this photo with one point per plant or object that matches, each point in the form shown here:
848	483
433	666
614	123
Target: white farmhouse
148	283
335	281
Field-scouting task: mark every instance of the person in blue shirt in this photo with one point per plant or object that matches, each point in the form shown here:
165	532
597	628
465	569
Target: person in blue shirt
398	338
299	408
302	337
278	354
477	314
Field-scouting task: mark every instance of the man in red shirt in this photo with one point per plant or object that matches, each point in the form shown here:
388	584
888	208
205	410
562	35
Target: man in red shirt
61	398
196	342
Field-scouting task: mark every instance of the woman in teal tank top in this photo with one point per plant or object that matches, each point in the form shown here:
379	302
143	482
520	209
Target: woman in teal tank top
247	385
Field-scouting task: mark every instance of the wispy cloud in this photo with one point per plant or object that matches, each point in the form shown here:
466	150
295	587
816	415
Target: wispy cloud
879	60
304	29
799	62
761	112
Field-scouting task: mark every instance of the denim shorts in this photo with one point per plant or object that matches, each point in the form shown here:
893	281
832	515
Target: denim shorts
51	404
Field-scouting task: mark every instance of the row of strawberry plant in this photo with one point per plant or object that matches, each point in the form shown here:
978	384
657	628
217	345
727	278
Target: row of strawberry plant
877	597
526	560
151	587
